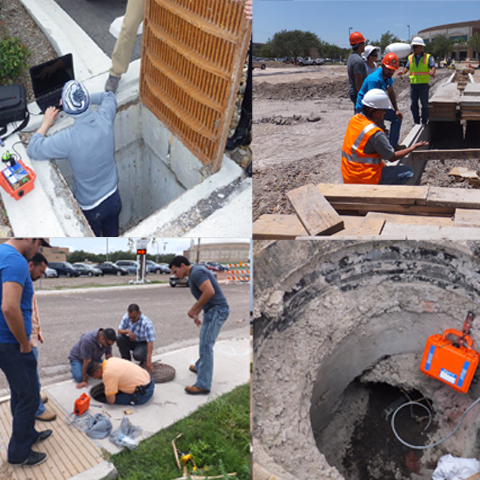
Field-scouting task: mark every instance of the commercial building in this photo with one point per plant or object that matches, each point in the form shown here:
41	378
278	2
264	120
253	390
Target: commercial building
231	252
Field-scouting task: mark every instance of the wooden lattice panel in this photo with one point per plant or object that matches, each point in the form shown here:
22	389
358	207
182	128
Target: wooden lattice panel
193	54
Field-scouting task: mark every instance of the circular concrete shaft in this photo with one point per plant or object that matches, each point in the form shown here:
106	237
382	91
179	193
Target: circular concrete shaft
326	311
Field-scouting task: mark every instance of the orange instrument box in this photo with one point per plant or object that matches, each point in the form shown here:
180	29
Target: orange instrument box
17	180
449	361
82	404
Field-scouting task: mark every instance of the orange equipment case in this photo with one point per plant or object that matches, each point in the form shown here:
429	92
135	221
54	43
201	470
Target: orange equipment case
18	190
82	404
450	362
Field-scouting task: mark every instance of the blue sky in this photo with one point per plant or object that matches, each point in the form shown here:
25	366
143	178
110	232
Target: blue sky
162	245
331	20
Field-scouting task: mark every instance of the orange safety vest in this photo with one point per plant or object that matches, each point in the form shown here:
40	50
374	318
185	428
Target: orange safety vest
420	73
358	166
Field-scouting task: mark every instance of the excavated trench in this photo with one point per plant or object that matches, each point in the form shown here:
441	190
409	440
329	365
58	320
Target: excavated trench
339	332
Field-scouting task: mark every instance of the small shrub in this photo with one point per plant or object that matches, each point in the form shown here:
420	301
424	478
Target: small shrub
13	58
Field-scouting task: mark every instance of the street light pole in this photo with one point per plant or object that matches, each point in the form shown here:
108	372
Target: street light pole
349	31
408	32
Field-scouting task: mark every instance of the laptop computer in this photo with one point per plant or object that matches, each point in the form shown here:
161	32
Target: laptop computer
48	80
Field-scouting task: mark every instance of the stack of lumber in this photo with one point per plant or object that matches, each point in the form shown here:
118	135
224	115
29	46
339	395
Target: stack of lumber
470	102
443	104
338	211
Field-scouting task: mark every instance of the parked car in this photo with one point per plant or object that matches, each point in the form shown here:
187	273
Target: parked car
50	273
174	281
109	268
153	267
259	64
219	268
319	61
88	270
64	268
306	61
131	266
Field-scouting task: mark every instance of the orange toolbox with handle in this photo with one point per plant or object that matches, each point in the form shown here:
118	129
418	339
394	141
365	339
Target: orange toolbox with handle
17	179
82	404
450	361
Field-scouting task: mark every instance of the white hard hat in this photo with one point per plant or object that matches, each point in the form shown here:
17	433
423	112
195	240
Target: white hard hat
418	41
369	49
377	98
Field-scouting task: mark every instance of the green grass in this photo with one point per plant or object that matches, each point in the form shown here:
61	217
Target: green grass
217	435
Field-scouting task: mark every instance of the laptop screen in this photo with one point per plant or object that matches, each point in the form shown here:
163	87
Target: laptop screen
52	75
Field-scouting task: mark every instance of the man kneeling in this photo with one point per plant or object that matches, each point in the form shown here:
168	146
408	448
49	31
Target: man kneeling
125	383
365	145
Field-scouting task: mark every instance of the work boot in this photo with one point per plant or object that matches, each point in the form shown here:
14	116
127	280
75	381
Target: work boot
43	436
36	458
112	84
243	133
194	390
192	368
46	416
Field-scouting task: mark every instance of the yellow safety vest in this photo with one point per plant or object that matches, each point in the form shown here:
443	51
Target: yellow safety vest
358	166
419	73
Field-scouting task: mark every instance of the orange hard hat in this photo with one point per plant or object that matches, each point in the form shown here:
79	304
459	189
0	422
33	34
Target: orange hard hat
356	37
390	60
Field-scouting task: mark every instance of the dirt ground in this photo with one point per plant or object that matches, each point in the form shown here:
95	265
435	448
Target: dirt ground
299	119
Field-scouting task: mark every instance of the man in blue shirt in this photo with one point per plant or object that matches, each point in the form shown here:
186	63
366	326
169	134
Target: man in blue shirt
136	334
210	298
382	79
17	359
89	146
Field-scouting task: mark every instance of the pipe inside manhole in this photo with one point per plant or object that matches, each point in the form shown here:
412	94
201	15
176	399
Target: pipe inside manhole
335	321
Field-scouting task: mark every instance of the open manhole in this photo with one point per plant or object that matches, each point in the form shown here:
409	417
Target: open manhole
364	445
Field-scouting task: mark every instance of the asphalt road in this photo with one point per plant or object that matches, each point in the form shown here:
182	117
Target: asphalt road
65	315
95	17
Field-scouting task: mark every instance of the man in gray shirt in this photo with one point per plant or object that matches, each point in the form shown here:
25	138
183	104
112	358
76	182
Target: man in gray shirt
356	68
91	346
210	298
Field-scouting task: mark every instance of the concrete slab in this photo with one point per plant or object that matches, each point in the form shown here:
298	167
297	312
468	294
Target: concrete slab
170	403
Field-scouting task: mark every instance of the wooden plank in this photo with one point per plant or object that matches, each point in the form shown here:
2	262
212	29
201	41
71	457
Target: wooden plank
317	216
382	194
454	197
467	218
475	476
428	232
369	226
422	155
277	227
463	172
344	208
413	220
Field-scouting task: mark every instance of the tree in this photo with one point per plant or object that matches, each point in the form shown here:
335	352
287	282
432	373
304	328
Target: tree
474	44
294	43
385	40
441	46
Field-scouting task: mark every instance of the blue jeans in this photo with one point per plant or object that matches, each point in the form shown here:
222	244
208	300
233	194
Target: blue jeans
213	320
419	92
396	175
41	406
21	372
77	370
104	218
123	398
396	125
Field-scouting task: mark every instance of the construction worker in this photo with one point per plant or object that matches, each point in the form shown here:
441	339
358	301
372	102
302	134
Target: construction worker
382	78
370	55
365	145
421	66
356	68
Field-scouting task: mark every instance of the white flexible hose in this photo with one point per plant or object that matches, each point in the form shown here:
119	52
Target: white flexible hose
423	447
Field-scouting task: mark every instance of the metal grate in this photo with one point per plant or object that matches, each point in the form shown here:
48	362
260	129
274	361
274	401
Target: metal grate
193	54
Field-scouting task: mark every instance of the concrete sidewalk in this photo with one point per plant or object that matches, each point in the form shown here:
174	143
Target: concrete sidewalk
169	404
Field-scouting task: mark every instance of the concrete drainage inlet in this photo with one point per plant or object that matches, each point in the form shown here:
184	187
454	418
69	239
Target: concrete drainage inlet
339	332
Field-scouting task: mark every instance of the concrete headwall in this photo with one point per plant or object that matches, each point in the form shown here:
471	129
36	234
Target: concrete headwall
326	311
